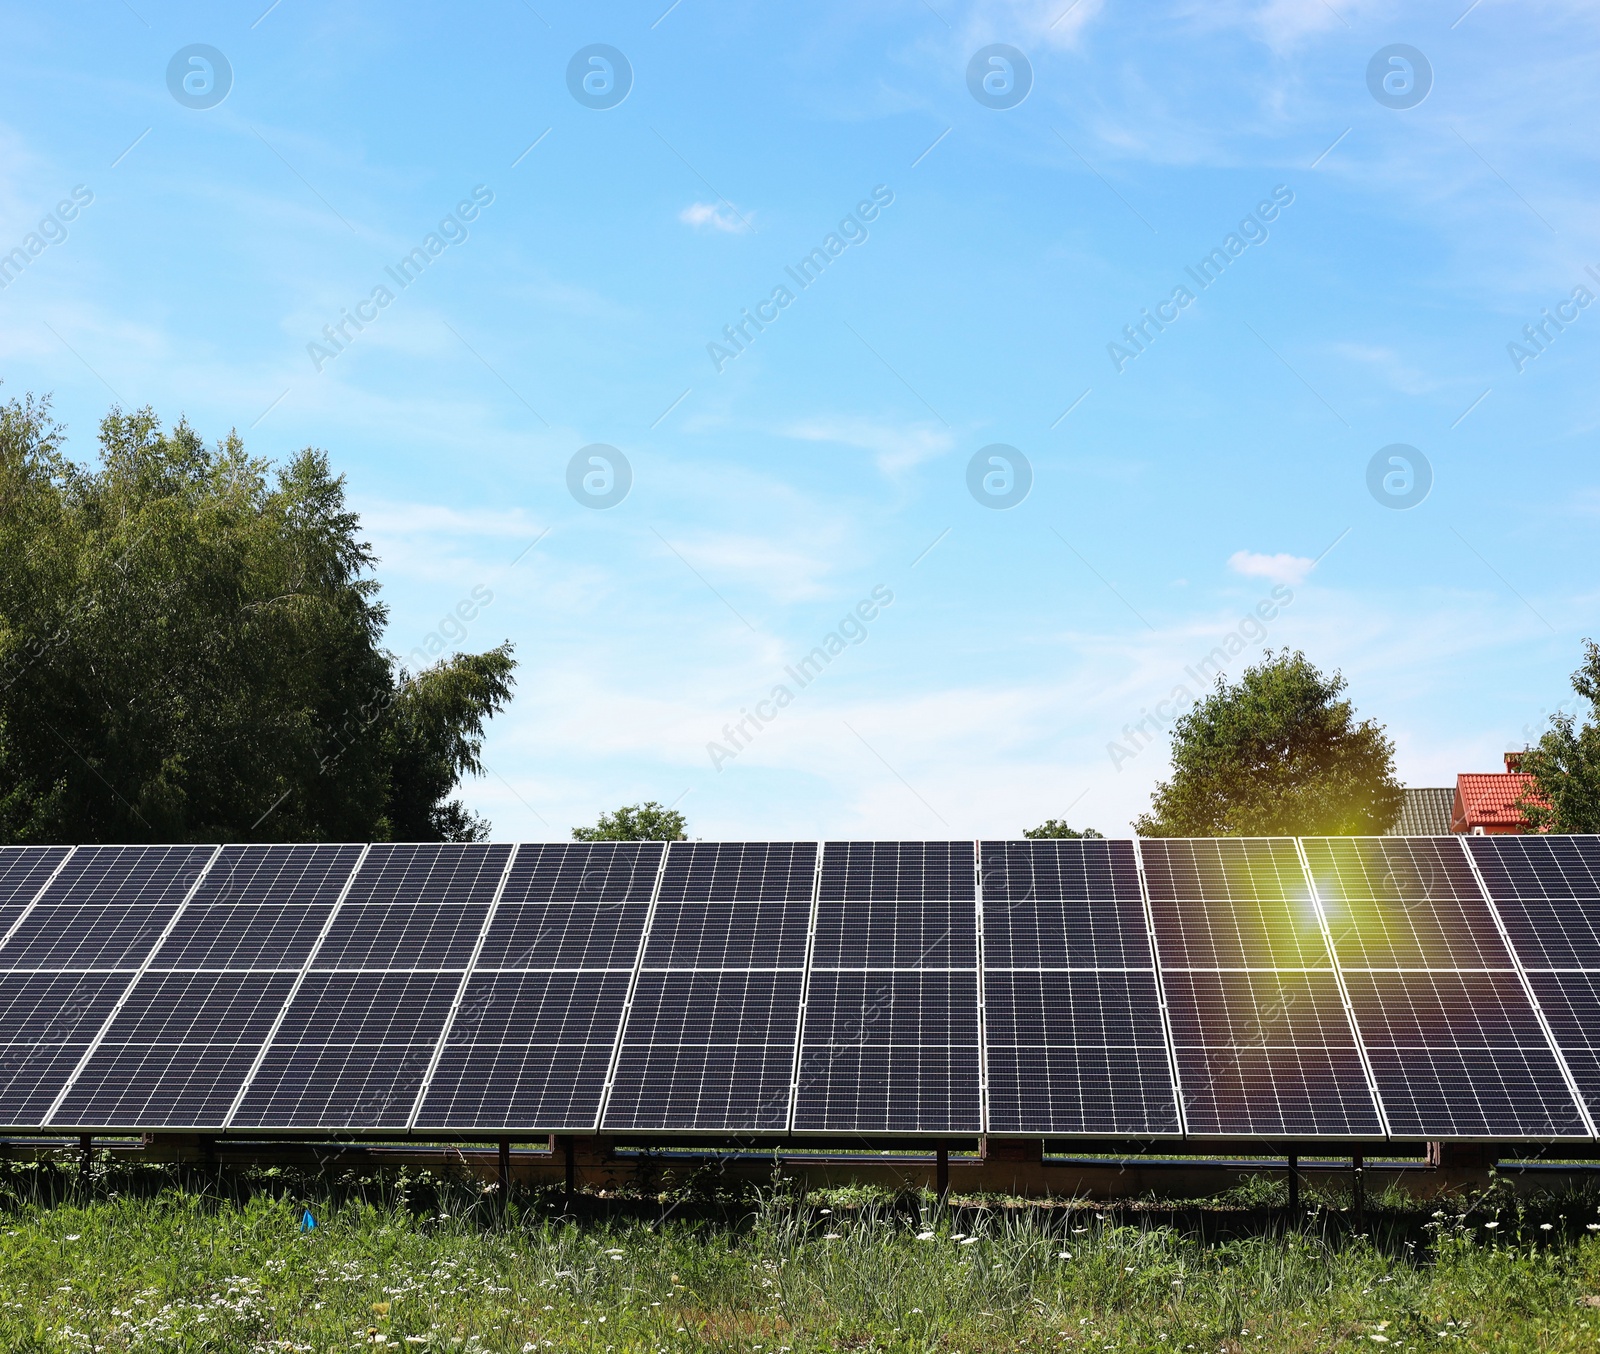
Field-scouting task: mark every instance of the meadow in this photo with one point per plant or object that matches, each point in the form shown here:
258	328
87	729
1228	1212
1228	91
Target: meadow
143	1258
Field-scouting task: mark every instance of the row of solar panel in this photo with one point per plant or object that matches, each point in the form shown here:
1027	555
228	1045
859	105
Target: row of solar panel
1442	988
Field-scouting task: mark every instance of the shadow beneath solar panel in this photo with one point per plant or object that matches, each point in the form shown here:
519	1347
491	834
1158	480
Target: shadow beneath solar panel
684	1191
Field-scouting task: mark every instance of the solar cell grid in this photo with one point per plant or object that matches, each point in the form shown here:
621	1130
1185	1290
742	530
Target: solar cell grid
1546	889
893	991
1261	1038
105	909
709	1038
1455	1045
191	1025
1060	870
1069	1011
902	933
733	935
24	871
1075	1041
921	870
1090	1089
584	872
746	871
362	1032
548	993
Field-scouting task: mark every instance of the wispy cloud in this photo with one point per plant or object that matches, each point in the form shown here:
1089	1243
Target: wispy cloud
709	216
1279	568
895	447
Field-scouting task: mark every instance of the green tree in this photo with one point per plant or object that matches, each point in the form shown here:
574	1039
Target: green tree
1565	762
1276	754
647	822
190	650
1057	827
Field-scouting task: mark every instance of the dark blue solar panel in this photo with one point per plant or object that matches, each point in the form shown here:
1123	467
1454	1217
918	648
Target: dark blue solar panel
1455	1045
1261	1039
24	870
355	1045
1546	888
353	1051
893	992
260	907
710	1037
106	909
47	1023
531	1045
1074	1037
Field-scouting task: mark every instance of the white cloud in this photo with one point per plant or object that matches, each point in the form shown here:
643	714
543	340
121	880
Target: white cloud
894	446
710	216
1291	569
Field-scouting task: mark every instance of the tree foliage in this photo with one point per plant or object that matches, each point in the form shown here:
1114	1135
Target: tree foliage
1565	762
1057	827
190	650
647	822
1276	754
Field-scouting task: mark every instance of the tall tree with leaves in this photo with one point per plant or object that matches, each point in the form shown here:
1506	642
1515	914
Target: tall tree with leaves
1276	754
647	822
1565	762
190	650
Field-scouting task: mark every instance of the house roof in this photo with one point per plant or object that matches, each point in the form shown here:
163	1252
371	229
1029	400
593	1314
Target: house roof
1425	812
1489	801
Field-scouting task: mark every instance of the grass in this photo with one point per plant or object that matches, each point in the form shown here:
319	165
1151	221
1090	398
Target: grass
143	1259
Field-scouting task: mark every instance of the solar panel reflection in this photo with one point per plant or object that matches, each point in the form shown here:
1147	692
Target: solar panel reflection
1454	1043
1262	1041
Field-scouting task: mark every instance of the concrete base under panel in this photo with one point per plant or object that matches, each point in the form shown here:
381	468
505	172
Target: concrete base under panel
1011	1167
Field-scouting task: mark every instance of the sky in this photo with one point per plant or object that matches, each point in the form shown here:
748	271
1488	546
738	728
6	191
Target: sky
1079	341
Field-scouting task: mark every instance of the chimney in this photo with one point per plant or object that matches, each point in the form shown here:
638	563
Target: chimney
1513	761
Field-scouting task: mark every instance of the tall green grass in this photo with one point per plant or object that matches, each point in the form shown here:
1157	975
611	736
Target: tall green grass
148	1260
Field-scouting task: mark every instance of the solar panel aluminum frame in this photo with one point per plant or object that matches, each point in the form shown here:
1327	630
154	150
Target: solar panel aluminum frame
1527	986
144	967
461	990
805	989
1161	995
979	963
294	991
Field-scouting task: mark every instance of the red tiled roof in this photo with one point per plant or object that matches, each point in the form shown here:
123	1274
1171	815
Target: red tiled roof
1489	801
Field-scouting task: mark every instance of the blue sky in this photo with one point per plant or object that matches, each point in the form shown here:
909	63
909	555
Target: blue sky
830	457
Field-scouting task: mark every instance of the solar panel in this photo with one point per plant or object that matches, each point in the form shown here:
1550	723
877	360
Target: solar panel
1455	1045
709	1038
361	1030
1075	1040
531	1042
1259	1029
71	955
1546	890
892	1039
191	1027
24	870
